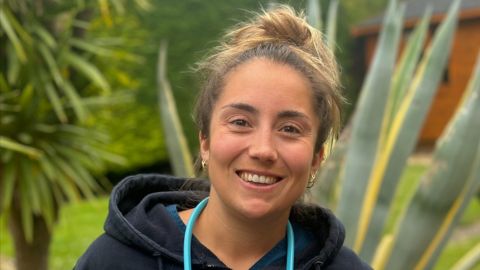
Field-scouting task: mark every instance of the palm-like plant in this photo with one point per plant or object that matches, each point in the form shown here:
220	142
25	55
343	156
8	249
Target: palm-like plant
47	155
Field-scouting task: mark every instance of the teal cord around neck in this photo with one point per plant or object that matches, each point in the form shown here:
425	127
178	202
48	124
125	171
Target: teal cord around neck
187	241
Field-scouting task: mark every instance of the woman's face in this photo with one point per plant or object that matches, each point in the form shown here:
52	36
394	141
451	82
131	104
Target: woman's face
263	129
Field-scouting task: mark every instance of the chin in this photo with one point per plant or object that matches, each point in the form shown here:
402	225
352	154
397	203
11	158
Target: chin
258	209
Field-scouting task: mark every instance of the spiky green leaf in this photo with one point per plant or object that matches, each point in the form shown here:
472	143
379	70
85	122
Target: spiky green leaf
314	14
179	153
371	105
7	184
405	69
6	24
88	69
473	183
10	144
402	138
332	25
437	202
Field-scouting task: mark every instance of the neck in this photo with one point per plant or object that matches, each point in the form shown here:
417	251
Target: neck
228	235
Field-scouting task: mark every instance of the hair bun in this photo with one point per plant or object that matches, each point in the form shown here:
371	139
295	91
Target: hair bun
283	24
279	25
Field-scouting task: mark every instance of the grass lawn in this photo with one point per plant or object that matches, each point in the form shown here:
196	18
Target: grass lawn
82	222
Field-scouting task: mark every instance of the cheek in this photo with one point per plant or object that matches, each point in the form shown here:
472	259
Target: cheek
298	158
224	148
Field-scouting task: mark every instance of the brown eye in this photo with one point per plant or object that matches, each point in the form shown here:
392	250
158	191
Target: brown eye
239	122
290	129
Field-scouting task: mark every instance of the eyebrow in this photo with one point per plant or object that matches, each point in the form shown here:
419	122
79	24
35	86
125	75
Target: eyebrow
242	106
251	109
292	114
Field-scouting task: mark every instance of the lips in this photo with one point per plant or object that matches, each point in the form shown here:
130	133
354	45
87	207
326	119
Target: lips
258	178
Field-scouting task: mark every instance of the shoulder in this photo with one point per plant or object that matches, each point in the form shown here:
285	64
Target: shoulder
108	253
347	259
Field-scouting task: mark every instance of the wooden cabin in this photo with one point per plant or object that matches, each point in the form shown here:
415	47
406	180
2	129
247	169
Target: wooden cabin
466	48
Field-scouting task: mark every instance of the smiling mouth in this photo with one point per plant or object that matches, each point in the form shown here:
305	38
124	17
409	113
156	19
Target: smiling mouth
258	178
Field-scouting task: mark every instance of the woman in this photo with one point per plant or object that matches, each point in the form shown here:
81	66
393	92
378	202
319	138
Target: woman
269	103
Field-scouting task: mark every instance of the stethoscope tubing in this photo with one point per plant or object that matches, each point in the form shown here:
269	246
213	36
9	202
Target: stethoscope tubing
187	240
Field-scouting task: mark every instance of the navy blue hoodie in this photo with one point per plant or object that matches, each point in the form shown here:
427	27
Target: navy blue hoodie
140	232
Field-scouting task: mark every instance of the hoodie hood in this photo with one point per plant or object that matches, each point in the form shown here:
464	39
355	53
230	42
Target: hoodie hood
138	217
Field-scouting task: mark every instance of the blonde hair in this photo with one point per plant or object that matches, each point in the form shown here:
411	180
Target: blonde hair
283	36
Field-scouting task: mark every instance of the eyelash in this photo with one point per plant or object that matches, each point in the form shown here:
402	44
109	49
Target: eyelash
239	122
290	129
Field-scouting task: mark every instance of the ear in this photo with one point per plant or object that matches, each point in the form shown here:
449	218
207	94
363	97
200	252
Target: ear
317	159
204	146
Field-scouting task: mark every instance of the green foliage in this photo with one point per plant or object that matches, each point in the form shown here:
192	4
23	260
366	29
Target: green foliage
134	134
48	155
131	125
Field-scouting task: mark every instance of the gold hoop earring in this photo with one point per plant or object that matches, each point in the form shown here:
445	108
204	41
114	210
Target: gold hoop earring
312	180
204	164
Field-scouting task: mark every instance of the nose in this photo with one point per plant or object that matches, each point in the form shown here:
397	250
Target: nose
262	147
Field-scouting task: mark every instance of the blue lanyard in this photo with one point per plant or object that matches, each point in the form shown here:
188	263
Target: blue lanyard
187	241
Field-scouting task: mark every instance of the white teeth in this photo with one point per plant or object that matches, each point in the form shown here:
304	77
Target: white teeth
262	179
255	178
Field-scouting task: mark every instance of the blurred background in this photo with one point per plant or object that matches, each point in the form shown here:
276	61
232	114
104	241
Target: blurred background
87	98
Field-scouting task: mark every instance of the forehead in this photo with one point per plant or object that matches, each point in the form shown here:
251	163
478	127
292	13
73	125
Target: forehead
266	83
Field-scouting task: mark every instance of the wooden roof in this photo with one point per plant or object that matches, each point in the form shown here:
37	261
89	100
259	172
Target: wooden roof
415	9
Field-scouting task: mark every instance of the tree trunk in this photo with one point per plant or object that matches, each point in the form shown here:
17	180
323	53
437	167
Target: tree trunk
32	255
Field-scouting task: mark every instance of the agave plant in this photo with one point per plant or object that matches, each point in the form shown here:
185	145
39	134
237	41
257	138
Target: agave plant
314	18
384	130
178	152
